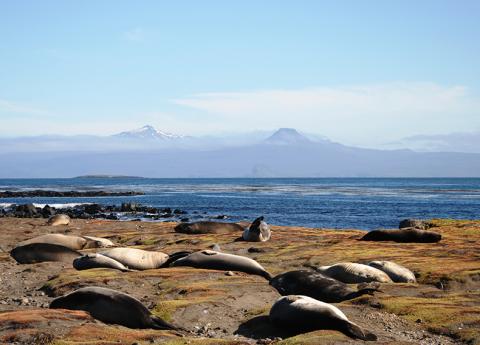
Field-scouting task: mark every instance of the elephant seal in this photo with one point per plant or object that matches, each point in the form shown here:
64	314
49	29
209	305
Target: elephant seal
40	252
69	241
259	231
100	242
97	260
304	314
316	285
58	219
396	272
110	306
353	273
210	259
208	228
405	235
137	259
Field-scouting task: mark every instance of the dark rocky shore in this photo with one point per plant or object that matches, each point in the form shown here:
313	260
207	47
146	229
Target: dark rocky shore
67	194
126	211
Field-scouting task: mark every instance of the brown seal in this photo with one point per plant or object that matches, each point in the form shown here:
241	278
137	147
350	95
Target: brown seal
406	235
110	306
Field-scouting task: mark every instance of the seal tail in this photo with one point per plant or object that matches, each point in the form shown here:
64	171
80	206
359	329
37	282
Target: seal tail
266	275
158	323
175	256
356	332
361	292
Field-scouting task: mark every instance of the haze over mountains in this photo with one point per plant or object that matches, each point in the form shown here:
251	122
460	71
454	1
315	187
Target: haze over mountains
285	153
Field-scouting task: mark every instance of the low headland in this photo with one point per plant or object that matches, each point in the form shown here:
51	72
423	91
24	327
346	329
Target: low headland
218	307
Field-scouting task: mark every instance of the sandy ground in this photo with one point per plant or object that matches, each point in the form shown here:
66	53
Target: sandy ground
215	307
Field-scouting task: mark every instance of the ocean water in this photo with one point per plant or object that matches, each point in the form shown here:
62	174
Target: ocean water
362	203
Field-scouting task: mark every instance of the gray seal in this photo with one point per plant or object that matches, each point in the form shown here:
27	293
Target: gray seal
406	235
69	241
396	272
353	273
40	252
110	306
137	259
210	259
97	260
208	228
304	314
316	285
58	219
259	231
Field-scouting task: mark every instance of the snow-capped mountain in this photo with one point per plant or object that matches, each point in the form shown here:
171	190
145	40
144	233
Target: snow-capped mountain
147	132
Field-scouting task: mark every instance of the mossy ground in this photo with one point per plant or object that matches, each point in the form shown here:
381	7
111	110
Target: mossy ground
217	308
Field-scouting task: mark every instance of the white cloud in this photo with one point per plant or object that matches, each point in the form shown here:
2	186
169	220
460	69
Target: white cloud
362	114
135	35
9	107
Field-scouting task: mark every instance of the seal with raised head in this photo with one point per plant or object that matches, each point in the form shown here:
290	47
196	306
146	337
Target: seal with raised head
259	231
58	219
69	241
405	235
305	314
137	259
208	228
110	306
97	260
353	273
316	285
40	252
210	259
396	272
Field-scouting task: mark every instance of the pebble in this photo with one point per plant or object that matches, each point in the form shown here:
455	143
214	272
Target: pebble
229	273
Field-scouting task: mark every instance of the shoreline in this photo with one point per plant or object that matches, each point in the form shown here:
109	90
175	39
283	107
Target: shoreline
219	308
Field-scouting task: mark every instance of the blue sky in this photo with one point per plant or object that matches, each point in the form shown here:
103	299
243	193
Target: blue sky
359	72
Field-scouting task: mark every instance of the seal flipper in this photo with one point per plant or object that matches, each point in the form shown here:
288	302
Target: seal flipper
175	256
354	331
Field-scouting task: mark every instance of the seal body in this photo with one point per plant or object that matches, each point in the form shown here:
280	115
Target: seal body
304	314
137	259
210	259
353	273
99	242
405	235
396	272
58	219
208	228
40	252
259	231
110	306
97	260
315	285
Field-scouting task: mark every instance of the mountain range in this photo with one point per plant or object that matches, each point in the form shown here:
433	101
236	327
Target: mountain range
285	153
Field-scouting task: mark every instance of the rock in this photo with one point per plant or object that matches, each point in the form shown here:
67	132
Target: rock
185	220
414	223
256	250
222	216
25	211
177	211
129	207
93	208
229	273
48	211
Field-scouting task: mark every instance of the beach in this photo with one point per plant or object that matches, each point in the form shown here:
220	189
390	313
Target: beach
218	307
